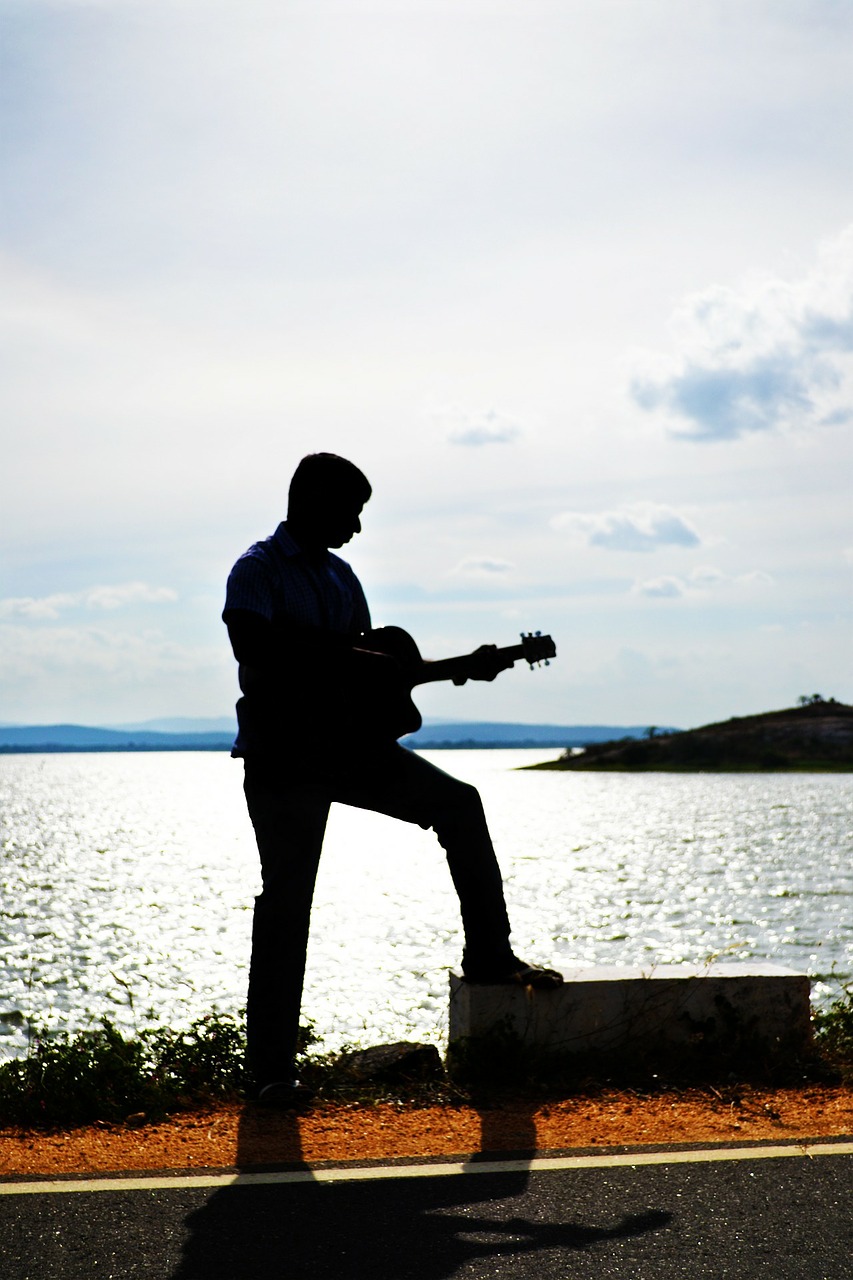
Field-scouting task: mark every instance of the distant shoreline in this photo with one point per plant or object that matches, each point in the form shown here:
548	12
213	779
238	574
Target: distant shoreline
54	749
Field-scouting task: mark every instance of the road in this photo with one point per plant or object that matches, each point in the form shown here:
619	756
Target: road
789	1218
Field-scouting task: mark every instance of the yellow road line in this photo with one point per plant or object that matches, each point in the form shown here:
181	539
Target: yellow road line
544	1164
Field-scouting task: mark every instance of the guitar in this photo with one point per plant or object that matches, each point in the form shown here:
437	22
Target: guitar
388	704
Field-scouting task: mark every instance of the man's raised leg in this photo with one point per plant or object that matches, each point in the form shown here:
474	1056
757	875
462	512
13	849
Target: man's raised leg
398	782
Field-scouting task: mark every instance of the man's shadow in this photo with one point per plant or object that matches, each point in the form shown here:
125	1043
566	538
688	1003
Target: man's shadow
406	1228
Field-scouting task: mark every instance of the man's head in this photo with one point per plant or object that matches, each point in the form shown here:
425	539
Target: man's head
325	500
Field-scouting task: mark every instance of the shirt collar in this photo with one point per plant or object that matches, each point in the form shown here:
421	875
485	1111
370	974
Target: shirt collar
289	547
285	542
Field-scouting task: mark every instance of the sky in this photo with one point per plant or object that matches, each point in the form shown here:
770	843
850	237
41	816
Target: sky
572	282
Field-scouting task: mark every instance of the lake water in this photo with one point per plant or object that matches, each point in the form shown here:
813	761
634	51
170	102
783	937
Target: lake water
127	880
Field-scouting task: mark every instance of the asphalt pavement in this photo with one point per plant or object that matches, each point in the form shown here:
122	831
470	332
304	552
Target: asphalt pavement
691	1215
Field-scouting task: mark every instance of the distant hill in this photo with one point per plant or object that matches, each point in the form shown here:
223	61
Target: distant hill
181	724
76	737
463	733
186	735
817	736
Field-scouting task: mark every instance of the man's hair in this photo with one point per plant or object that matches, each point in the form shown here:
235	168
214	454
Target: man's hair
321	476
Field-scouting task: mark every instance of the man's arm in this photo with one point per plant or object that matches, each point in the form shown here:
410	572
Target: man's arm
271	654
484	663
251	637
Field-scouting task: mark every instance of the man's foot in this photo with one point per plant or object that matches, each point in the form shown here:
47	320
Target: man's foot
518	973
285	1095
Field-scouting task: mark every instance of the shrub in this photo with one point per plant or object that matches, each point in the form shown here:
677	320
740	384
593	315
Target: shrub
100	1075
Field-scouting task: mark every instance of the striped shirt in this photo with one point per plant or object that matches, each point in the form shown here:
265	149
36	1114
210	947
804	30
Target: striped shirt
278	581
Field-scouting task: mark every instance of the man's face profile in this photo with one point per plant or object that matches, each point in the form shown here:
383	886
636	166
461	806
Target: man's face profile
330	521
343	522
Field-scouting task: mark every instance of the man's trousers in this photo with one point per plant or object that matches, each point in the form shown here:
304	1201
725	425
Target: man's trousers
288	803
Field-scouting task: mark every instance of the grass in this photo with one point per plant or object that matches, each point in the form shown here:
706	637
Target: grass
101	1075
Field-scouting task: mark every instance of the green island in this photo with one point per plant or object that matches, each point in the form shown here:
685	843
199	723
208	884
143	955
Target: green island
815	736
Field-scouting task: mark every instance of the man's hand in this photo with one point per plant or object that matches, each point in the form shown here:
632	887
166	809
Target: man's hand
484	664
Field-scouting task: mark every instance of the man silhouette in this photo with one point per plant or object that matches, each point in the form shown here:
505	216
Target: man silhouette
299	627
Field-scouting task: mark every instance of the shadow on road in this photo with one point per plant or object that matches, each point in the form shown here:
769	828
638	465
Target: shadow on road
424	1228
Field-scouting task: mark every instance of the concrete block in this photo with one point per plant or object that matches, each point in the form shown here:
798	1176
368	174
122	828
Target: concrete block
716	1007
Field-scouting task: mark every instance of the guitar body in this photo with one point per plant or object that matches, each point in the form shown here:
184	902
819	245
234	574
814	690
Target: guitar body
390	704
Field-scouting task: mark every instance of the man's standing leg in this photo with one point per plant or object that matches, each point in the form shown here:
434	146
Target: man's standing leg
289	818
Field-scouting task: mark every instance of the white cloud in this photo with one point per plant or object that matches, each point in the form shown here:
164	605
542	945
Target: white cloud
115	597
132	656
48	608
642	526
664	588
467	427
757	578
771	355
483	566
45	609
700	580
96	676
705	575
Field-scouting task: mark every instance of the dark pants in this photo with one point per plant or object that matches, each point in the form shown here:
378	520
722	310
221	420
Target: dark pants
289	805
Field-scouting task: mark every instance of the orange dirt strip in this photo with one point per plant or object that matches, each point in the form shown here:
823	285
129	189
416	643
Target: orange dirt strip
245	1136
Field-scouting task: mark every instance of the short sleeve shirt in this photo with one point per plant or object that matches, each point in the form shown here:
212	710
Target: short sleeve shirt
278	581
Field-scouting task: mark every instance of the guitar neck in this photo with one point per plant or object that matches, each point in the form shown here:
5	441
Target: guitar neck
458	668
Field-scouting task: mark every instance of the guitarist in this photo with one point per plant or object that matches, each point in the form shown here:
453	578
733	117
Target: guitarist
321	708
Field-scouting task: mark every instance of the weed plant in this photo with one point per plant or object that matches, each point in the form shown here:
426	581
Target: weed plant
834	1034
100	1075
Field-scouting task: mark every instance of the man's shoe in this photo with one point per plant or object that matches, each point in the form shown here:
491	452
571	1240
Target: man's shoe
520	974
285	1095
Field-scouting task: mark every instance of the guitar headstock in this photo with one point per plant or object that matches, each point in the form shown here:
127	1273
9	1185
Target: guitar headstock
537	648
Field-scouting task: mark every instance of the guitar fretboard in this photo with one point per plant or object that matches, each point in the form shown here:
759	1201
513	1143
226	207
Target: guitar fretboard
458	668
